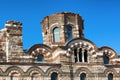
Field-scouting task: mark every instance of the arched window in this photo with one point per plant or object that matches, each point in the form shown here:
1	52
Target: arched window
85	56
69	33
110	76
40	58
80	55
56	34
83	76
54	76
105	59
75	54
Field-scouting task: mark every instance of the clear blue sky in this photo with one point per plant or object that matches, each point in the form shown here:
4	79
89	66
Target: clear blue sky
102	18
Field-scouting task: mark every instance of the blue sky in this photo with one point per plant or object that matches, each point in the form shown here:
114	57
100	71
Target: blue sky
101	18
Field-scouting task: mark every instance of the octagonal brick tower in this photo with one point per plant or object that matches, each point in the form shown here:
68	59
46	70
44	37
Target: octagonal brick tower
59	28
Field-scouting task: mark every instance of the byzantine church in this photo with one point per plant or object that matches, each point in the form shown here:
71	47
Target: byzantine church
64	55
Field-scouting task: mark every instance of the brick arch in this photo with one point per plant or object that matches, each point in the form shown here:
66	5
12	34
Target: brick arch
110	70
82	70
40	49
54	25
14	69
53	69
77	40
110	52
34	70
34	47
81	43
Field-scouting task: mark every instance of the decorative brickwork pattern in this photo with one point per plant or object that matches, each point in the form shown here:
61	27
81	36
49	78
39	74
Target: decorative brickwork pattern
72	57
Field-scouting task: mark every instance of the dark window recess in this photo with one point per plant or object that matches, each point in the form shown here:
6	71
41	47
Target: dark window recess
83	76
69	32
80	55
105	59
40	57
75	54
54	76
85	56
110	76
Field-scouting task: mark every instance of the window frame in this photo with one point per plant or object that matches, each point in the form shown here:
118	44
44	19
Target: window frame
80	55
52	76
69	30
82	75
106	59
55	33
40	56
110	75
66	32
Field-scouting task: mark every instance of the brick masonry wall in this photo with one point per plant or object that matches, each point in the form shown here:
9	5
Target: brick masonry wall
58	57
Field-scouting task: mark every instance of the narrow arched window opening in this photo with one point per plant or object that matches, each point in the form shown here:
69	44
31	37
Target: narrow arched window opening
80	55
69	32
110	76
105	59
56	34
54	76
75	54
85	56
83	76
40	58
